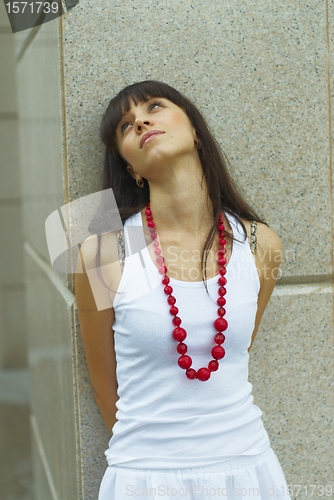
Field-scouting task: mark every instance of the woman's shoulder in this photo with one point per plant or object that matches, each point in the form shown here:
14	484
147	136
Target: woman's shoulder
265	235
99	270
104	247
268	243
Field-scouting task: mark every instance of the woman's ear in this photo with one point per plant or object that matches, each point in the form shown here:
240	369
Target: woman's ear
137	177
197	142
131	171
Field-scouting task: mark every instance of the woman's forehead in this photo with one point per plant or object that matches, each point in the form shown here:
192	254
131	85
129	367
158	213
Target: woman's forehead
133	100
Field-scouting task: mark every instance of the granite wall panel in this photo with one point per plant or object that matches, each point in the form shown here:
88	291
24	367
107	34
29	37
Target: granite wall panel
292	372
258	74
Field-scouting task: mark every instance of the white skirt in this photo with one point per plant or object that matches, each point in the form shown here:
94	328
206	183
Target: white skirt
258	477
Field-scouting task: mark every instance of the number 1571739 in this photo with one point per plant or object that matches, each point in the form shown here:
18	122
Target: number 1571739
32	7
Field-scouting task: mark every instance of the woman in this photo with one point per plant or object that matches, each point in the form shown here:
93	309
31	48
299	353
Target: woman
185	310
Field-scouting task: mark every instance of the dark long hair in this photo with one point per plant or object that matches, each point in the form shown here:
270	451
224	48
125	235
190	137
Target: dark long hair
223	191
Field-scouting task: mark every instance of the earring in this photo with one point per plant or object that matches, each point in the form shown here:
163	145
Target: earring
140	183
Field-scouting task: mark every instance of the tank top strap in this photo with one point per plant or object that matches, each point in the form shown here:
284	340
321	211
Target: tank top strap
242	252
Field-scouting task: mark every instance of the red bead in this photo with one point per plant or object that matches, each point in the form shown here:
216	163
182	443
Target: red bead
176	321
219	338
148	212
218	352
157	251
168	290
160	260
179	334
171	300
220	324
213	365
191	373
221	301
184	361
154	236
163	270
222	242
150	223
221	311
152	229
221	252
222	271
222	281
221	228
155	243
174	310
181	348
165	280
222	291
222	261
203	374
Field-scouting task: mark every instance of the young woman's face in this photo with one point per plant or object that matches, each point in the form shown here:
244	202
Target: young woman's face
154	133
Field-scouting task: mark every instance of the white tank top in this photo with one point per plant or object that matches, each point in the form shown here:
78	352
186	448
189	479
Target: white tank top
164	419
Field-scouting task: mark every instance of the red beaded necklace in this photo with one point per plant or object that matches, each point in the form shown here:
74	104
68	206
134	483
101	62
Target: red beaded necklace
179	334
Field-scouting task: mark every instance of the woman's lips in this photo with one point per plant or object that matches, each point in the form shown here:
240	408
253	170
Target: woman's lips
148	136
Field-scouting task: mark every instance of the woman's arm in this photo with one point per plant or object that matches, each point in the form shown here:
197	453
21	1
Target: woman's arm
268	259
98	338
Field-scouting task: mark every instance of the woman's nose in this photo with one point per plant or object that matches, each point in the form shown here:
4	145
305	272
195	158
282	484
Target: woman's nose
139	122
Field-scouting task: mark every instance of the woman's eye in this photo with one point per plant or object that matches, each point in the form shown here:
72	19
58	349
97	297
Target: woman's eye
153	104
125	126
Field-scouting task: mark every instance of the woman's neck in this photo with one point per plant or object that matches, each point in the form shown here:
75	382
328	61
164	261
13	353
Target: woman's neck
182	204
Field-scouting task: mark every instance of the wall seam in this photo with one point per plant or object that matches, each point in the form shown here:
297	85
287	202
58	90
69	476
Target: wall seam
63	110
328	41
76	392
330	146
66	183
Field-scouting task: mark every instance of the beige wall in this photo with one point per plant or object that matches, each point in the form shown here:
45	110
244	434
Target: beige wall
49	302
261	75
12	338
15	455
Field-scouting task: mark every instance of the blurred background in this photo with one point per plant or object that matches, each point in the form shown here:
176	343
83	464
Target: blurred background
15	446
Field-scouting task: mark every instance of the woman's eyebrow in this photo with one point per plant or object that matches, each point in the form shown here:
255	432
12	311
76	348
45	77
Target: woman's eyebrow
136	104
122	118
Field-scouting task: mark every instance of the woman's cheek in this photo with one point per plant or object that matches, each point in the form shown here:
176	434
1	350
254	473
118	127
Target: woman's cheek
126	152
